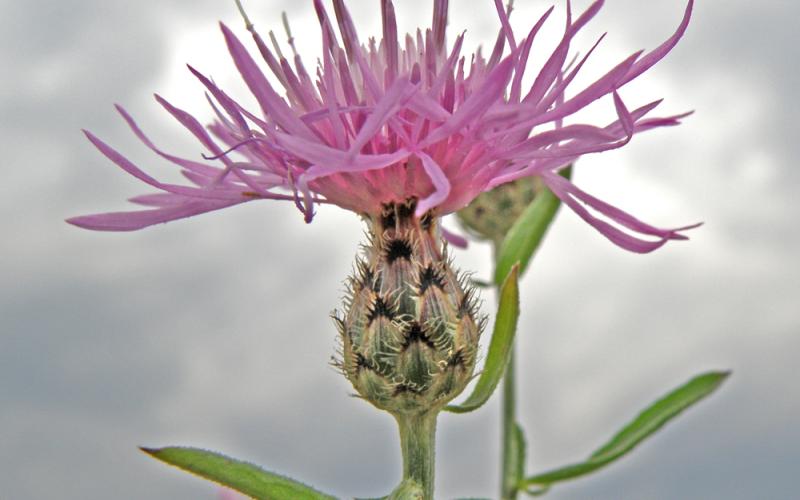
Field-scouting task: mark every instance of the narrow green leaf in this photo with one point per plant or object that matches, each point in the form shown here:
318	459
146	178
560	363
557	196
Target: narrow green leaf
644	425
505	326
526	234
240	476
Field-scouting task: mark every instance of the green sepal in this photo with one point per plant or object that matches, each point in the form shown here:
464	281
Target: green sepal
505	326
643	426
237	475
526	234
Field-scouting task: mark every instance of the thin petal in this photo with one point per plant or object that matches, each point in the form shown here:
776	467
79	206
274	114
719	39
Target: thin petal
454	239
574	198
328	161
652	57
477	103
384	109
347	30
200	168
439	25
519	72
227	103
604	85
552	68
507	31
271	103
441	186
131	221
390	42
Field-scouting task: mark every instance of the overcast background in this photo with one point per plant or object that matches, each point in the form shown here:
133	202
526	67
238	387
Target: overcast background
214	331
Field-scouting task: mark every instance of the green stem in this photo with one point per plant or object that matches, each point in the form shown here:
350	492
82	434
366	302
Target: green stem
418	444
508	452
508	476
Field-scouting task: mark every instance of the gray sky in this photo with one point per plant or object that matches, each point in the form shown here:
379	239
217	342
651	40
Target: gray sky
214	331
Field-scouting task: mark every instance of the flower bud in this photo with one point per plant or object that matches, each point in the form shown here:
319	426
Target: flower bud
491	215
410	329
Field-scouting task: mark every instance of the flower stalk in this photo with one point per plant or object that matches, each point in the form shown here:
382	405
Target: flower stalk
509	468
418	445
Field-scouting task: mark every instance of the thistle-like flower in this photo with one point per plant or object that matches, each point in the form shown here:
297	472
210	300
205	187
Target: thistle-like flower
402	132
401	119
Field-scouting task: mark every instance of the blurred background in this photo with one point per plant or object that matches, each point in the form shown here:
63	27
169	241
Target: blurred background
214	331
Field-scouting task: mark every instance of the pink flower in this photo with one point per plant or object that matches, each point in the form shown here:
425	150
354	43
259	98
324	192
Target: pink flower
401	119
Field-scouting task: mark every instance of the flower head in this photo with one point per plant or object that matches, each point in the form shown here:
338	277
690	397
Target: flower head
401	119
410	326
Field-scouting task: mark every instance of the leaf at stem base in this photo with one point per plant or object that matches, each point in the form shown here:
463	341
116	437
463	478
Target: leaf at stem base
235	474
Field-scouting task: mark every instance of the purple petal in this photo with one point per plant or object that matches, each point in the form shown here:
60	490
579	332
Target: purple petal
507	31
454	239
390	38
427	107
552	68
557	92
624	115
128	166
227	103
384	109
158	199
121	161
268	57
536	143
440	183
328	36
573	196
271	103
131	221
304	97
659	52
191	124
439	25
523	58
347	29
607	83
200	168
328	161
473	108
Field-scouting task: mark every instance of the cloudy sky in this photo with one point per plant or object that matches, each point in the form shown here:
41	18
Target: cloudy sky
214	331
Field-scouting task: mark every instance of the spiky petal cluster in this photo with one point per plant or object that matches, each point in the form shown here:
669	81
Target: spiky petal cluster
402	118
410	329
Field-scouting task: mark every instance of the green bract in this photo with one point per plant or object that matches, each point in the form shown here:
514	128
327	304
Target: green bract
410	328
